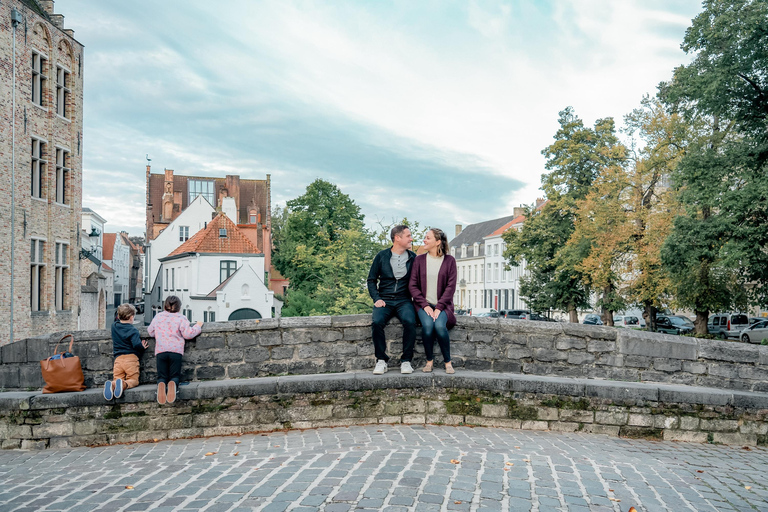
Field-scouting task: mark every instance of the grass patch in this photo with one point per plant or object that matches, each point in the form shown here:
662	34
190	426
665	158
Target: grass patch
203	409
566	403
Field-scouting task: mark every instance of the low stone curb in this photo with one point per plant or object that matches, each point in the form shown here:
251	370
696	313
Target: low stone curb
629	409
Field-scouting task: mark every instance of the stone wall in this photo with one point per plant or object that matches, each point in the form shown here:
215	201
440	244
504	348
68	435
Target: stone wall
230	407
312	345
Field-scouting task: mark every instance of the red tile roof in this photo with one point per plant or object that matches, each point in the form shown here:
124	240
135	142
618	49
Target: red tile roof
109	245
106	267
516	220
208	239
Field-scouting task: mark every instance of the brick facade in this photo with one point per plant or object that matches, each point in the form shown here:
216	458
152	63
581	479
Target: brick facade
48	123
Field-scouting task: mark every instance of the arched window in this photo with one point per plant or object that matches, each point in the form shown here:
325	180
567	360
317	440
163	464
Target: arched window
244	291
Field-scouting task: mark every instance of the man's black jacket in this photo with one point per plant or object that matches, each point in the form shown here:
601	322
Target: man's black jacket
381	279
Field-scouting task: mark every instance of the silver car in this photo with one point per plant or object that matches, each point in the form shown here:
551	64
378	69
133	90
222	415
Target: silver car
755	333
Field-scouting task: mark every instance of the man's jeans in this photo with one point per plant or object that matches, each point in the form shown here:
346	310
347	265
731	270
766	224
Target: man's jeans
405	312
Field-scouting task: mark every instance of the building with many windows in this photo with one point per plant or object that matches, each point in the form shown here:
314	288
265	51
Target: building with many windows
41	135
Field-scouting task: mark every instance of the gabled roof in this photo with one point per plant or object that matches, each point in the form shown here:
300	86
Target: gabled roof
106	267
208	240
108	240
517	220
474	234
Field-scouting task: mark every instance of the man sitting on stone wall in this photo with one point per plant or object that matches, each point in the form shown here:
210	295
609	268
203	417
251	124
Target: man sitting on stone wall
388	286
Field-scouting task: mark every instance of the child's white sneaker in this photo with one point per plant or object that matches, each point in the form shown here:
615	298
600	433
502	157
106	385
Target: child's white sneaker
381	367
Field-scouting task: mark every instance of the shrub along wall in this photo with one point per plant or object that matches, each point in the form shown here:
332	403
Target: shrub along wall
311	345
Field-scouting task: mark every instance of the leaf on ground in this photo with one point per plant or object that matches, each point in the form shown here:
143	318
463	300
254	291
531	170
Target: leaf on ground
277	446
238	442
210	453
746	448
506	469
454	461
517	447
129	487
632	509
457	503
610	490
747	487
615	499
236	454
526	460
510	463
155	440
699	471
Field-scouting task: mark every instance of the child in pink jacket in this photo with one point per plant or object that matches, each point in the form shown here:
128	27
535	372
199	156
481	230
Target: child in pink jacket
170	328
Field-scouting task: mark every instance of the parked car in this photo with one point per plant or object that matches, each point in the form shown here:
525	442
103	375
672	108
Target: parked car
592	319
626	321
139	308
674	324
754	320
540	318
755	333
513	313
488	314
727	325
461	312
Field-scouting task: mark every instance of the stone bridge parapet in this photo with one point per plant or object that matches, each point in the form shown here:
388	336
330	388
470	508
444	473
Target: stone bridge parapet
315	345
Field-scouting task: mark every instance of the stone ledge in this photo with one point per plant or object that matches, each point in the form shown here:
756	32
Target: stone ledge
362	381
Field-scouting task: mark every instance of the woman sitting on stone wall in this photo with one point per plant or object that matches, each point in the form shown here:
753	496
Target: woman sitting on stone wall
433	282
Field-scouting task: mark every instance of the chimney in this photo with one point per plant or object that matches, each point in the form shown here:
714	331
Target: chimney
58	20
47	5
229	207
458	229
169	175
69	32
518	211
540	201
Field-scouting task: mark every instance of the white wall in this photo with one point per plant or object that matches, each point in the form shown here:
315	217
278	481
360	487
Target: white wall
497	280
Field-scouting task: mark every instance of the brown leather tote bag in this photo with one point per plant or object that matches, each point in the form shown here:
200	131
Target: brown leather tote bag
62	371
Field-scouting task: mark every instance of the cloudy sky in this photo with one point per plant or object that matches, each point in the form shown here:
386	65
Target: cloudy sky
436	110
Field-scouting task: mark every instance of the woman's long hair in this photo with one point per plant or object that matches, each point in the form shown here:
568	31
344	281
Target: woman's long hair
440	237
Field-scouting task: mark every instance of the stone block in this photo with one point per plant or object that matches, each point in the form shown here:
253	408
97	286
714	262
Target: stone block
516	352
358	333
459	334
752	373
38	349
414	419
540	341
494	411
198	357
235	388
685	435
534	425
694	367
611	417
436	407
606	430
353	321
608	359
477	364
488	352
754	427
580	358
601	346
84	427
461	349
667	365
209	341
304	322
326	335
577	416
507	366
594	332
729	371
481	335
232	418
568	343
297	336
640	420
548	385
735	438
210	372
555	370
294	384
228	355
251	338
315	350
30	376
718	425
563	426
729	351
549	355
282	352
52	430
9	377
15	352
97	363
689	423
258	354
471	380
747	400
693	395
634	361
650	344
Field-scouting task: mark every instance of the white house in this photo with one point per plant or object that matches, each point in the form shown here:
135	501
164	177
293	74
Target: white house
117	255
93	232
218	274
502	286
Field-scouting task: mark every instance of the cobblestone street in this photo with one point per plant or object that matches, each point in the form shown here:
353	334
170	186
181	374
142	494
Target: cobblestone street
393	468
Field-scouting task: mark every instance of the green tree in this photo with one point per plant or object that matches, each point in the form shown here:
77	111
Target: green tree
574	160
324	249
382	232
716	252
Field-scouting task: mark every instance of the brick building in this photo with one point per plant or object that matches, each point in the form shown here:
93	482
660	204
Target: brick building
41	134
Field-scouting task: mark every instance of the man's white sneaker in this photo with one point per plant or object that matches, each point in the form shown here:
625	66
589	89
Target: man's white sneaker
405	367
381	367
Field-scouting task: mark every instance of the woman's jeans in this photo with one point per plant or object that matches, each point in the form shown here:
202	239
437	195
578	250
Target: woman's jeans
431	329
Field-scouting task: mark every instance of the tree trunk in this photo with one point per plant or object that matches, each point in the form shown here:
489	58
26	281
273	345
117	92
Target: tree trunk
700	324
649	315
606	315
573	314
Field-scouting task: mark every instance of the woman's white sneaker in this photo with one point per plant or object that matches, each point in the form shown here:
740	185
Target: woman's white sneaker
405	367
381	367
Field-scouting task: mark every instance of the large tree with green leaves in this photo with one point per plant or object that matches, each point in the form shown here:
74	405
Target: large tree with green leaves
324	249
579	153
716	253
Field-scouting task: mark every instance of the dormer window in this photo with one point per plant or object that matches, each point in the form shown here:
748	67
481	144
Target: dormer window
463	251
222	232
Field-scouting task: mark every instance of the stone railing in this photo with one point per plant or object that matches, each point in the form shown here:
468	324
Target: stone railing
313	345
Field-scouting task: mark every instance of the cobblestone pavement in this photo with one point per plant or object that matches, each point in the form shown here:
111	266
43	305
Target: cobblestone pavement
392	468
